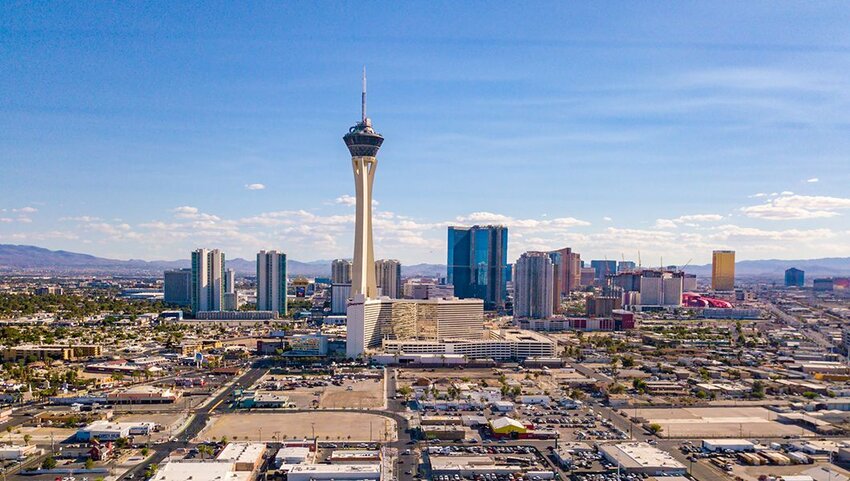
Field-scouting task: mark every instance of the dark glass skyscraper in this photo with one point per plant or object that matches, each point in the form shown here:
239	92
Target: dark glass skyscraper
603	269
794	277
477	263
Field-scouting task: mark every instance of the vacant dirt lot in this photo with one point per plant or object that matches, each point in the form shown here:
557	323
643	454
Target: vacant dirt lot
327	425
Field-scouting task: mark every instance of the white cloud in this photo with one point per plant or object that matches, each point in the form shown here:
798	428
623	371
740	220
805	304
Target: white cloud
789	206
813	180
188	212
607	219
255	186
557	223
185	210
665	224
699	218
26	210
346	199
6	220
691	220
351	201
82	218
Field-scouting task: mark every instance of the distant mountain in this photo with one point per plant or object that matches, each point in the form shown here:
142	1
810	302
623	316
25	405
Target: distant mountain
775	268
37	260
424	270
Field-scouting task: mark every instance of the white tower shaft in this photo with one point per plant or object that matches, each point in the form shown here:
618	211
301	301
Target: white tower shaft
363	270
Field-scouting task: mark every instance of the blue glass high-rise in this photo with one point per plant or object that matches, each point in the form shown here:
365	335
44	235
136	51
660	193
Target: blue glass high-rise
477	264
603	269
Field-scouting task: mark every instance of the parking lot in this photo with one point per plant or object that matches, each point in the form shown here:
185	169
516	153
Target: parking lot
717	422
326	391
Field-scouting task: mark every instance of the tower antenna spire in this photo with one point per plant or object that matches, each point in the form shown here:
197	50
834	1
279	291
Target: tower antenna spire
363	98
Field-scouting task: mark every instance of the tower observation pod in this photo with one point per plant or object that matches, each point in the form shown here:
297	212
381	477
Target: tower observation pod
363	143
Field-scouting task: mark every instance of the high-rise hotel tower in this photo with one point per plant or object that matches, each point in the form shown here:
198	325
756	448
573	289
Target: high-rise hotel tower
363	143
207	280
271	282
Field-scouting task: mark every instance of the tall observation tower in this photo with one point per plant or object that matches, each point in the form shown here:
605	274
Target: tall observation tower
363	143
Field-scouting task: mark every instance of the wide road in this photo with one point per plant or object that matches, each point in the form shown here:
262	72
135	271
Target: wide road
201	417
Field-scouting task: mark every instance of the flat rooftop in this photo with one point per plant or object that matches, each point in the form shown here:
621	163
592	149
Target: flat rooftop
197	470
640	456
367	469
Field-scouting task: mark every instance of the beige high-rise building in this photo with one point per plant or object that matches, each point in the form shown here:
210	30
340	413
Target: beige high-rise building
568	271
534	286
207	280
271	282
723	270
388	276
341	271
372	320
363	143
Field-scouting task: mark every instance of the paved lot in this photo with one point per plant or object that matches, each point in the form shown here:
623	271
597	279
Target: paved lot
359	394
364	394
328	426
752	473
719	422
168	421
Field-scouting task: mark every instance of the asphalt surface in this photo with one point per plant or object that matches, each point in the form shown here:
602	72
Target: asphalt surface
220	405
217	405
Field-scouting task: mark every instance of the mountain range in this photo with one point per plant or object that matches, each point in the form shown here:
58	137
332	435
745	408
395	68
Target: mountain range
25	259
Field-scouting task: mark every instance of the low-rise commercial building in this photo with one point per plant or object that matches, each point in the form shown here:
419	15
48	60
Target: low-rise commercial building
45	352
641	458
143	395
736	445
244	456
289	455
336	472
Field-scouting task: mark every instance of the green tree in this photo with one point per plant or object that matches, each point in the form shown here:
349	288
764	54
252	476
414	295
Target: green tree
655	428
616	388
758	390
89	463
405	392
48	463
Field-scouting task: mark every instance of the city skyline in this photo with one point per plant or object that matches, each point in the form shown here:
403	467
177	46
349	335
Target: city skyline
719	139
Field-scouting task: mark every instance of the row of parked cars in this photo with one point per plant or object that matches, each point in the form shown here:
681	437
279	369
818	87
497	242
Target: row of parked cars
609	477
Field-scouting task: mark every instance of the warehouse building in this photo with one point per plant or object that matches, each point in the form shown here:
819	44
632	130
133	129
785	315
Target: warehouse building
641	458
722	445
336	472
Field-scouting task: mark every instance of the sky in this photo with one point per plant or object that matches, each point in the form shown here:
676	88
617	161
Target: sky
147	129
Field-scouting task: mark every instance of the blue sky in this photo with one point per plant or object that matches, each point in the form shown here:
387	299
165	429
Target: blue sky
144	130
